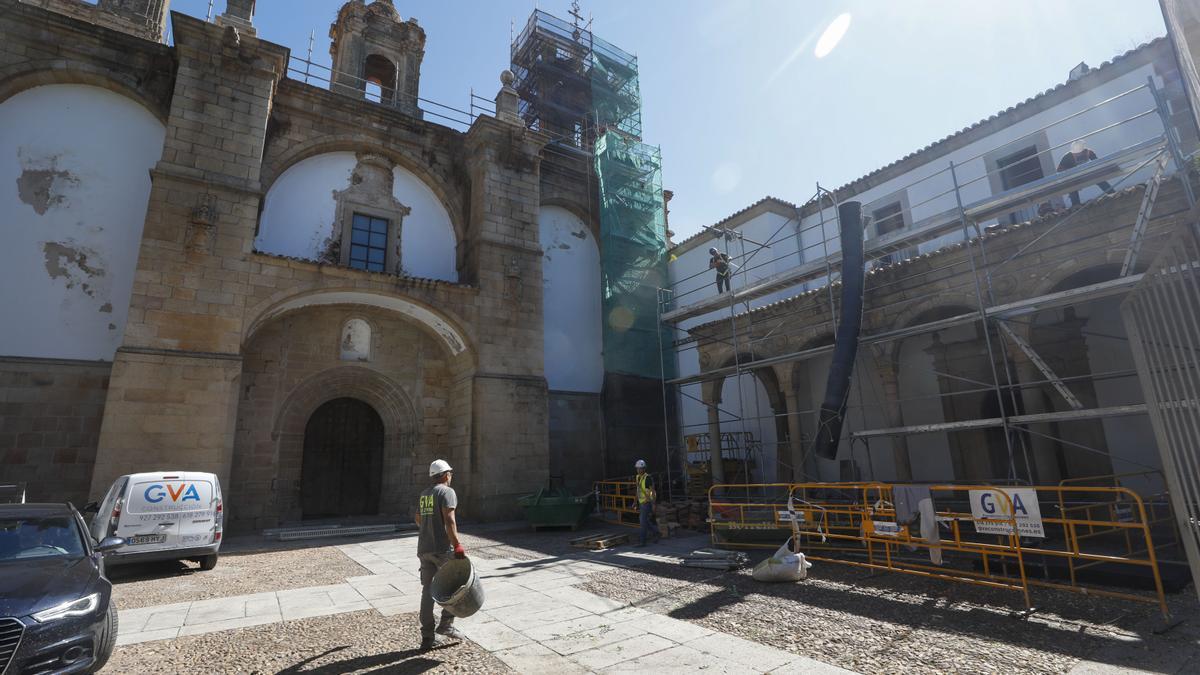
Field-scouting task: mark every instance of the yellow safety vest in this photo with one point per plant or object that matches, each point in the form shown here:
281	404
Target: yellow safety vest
643	493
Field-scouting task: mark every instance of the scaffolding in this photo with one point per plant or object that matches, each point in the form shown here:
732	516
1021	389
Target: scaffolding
584	93
1002	322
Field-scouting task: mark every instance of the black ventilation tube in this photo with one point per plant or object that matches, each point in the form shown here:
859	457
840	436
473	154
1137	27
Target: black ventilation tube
845	345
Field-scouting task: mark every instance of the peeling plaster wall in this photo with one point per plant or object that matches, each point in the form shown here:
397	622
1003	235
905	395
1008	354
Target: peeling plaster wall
74	187
299	212
571	298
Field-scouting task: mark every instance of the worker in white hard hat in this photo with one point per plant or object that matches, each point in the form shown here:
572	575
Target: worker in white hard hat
720	262
437	543
645	497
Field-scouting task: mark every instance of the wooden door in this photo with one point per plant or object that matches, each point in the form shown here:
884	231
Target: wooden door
343	460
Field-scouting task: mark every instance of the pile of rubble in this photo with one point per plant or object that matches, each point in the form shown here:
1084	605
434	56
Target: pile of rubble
688	514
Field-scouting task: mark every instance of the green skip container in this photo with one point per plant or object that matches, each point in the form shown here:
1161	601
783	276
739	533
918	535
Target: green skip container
556	508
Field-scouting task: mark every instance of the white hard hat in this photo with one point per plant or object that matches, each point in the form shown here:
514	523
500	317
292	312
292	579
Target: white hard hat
438	467
641	464
713	249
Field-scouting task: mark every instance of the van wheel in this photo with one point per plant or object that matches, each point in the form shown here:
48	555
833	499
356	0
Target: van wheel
108	639
208	562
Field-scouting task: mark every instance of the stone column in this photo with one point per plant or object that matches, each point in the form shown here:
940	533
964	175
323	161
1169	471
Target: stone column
889	380
510	448
794	427
711	393
1043	452
173	396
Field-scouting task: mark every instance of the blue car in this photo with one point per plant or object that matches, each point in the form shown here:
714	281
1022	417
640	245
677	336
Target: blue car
56	614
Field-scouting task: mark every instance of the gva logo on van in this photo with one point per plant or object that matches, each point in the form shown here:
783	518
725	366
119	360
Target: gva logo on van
179	493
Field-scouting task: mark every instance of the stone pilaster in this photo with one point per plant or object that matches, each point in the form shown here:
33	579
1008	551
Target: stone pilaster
172	400
509	452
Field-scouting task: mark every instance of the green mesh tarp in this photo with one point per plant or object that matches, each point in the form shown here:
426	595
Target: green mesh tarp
633	256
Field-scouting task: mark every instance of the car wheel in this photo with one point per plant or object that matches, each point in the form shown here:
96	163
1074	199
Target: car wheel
108	639
208	562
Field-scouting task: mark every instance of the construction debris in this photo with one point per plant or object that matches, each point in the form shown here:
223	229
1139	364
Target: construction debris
600	542
715	558
691	514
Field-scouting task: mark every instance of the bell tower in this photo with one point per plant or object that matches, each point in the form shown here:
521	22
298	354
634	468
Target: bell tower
377	55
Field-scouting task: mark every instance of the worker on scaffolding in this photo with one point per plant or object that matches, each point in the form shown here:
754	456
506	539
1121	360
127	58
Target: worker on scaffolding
645	498
721	263
1079	154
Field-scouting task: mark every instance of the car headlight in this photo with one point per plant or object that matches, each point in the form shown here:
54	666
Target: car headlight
81	607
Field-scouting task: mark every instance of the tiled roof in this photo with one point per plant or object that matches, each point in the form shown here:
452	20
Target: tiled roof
855	186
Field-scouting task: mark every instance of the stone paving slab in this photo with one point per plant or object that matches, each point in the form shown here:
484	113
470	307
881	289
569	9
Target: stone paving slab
628	649
680	659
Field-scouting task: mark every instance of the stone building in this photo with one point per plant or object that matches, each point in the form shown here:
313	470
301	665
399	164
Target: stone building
992	343
309	289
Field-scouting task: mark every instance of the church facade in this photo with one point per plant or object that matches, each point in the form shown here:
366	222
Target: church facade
309	289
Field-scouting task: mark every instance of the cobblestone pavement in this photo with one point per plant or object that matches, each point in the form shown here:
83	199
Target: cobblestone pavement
236	573
551	608
358	642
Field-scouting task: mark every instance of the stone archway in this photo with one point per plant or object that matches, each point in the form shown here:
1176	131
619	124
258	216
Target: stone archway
397	418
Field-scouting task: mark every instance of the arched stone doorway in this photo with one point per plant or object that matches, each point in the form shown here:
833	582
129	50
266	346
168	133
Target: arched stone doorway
342	467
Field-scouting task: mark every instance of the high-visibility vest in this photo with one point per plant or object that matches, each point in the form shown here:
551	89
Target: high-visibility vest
644	494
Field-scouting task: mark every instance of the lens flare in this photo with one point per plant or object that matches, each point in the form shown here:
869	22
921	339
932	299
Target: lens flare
832	36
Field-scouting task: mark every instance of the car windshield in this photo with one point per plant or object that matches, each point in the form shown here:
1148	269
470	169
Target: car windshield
27	538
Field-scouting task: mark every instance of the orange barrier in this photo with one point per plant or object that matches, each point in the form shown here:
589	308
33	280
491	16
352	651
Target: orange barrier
616	502
1011	537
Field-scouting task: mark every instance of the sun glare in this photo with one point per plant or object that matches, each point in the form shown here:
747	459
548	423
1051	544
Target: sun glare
832	36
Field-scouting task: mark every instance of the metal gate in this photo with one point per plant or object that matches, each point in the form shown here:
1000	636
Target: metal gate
1162	317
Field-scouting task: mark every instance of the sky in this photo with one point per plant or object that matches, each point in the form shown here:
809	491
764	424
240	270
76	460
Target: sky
734	90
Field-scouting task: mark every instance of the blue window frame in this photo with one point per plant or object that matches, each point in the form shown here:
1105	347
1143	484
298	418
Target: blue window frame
368	243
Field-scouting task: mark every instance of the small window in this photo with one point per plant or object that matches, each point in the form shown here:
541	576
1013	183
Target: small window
889	218
1020	168
368	243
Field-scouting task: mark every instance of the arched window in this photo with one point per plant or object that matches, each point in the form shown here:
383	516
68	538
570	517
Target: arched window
380	76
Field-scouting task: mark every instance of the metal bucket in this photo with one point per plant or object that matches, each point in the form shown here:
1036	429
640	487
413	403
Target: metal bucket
457	589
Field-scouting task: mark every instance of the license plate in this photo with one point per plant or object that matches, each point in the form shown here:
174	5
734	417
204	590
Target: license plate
147	539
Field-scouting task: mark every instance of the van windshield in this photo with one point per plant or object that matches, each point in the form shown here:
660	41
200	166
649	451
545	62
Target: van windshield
48	537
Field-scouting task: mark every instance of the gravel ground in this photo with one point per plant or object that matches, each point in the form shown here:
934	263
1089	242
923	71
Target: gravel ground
360	642
892	623
235	574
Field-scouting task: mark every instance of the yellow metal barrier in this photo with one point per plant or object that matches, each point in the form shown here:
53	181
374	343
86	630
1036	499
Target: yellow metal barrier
994	541
616	501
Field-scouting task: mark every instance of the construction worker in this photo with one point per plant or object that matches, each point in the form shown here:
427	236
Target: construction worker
720	262
437	542
1079	154
645	497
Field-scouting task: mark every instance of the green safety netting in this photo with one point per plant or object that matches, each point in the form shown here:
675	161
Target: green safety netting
584	91
633	255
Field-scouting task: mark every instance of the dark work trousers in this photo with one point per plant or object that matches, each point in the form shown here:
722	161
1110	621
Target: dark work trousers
1103	185
430	564
646	518
723	278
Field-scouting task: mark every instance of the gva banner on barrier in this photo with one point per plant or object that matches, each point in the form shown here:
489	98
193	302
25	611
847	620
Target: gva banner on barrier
992	504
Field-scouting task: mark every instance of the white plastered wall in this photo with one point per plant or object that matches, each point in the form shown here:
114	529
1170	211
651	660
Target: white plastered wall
571	314
299	211
74	188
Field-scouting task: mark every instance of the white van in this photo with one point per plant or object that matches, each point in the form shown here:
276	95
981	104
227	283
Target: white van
164	515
